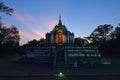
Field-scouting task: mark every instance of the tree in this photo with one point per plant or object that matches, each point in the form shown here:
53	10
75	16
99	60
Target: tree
6	9
77	41
101	33
80	41
9	40
13	35
33	43
116	33
4	32
42	42
10	35
114	44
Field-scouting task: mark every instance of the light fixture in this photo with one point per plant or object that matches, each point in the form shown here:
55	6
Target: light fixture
60	74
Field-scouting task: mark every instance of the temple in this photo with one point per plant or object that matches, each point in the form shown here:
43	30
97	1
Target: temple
60	35
60	52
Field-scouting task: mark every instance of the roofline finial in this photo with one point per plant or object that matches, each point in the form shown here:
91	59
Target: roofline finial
59	16
60	21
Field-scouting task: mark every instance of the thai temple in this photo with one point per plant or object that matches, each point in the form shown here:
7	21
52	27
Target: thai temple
60	35
61	52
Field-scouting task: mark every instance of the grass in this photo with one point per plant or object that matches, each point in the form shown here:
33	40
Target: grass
8	64
115	64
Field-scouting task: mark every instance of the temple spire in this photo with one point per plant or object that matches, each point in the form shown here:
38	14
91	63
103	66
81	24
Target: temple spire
60	21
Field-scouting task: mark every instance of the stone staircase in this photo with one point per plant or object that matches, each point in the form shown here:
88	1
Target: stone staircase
60	59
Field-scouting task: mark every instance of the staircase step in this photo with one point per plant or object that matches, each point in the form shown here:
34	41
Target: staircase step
60	59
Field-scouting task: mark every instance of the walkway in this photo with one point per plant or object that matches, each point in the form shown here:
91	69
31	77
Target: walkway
48	72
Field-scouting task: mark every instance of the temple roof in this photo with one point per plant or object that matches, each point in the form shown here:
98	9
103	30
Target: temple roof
60	26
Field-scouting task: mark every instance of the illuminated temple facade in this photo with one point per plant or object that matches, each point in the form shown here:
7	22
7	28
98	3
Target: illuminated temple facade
60	35
60	51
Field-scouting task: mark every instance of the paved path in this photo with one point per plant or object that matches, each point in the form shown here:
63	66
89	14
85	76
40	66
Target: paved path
40	72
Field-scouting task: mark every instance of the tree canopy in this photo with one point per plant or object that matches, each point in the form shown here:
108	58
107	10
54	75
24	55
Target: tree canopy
6	9
101	32
9	35
107	39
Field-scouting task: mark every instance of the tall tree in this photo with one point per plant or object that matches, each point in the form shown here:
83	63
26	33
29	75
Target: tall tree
9	35
13	35
3	30
101	32
116	33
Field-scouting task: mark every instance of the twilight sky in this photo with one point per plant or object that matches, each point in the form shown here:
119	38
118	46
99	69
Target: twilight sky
34	18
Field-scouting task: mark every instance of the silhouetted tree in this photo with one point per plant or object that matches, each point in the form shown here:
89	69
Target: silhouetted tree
4	32
112	46
33	43
116	33
42	42
10	35
101	33
6	9
81	41
9	40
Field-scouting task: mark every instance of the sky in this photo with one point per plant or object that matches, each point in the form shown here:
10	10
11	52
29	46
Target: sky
34	18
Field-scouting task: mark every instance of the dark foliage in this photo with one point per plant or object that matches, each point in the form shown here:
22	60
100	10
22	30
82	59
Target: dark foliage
109	42
9	40
35	43
110	48
6	9
9	36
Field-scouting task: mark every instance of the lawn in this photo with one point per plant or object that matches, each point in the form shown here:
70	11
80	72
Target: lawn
7	63
115	64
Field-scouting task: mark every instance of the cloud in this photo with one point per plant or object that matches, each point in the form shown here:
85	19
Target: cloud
29	21
49	22
36	26
23	18
25	36
38	33
52	24
30	18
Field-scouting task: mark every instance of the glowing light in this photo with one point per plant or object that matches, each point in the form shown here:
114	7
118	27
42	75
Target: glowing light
60	74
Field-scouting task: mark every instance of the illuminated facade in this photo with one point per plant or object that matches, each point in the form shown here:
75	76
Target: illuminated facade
60	35
67	55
